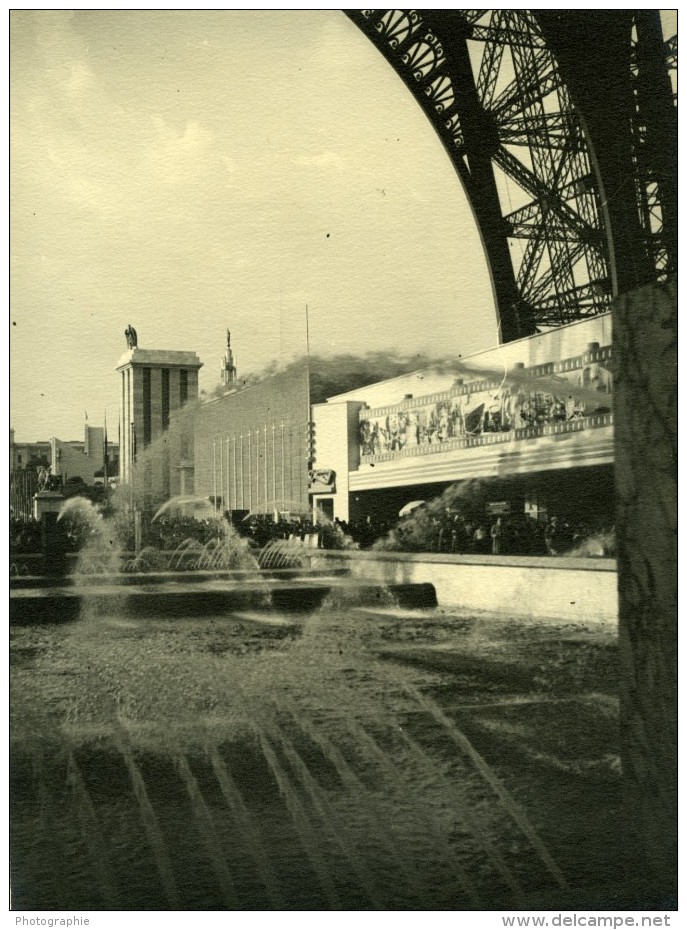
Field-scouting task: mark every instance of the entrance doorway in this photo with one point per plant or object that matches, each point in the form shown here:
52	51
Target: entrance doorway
325	508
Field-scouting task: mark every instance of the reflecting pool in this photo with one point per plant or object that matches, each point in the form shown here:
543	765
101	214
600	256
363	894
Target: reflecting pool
358	757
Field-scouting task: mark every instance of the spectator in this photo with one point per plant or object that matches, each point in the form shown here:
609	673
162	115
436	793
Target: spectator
480	539
551	536
496	536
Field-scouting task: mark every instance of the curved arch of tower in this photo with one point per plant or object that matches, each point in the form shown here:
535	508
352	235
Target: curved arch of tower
562	129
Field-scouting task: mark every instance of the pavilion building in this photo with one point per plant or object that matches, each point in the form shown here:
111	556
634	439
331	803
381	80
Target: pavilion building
155	384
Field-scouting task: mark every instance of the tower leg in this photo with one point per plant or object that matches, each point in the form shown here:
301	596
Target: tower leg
645	350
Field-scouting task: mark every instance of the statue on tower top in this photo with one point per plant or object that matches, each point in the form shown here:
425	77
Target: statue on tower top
131	337
228	367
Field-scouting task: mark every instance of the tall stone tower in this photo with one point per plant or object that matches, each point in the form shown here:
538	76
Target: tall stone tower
228	367
154	384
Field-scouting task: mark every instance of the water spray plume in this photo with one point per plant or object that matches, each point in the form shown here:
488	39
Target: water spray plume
308	754
98	540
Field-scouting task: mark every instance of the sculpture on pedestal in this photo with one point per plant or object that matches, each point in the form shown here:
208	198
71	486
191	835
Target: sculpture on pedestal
131	337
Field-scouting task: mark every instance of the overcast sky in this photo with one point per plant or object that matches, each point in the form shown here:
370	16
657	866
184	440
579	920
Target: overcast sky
189	172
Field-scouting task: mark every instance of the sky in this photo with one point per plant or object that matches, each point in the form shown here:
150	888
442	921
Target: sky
189	172
193	171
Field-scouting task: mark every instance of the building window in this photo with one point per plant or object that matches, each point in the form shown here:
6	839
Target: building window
183	386
147	407
165	398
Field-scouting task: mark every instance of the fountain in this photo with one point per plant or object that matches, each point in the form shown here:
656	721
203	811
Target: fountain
285	739
99	545
332	757
199	575
342	758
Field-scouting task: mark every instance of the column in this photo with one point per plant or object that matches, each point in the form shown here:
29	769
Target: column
235	507
645	419
250	475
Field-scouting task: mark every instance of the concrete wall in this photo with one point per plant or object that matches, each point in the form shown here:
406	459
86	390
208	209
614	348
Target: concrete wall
250	445
583	590
336	447
74	462
132	365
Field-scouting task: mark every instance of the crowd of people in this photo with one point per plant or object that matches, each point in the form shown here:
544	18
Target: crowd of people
506	534
262	530
443	532
168	533
446	531
25	535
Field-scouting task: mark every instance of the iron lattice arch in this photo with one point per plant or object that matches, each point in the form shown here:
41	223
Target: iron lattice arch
491	87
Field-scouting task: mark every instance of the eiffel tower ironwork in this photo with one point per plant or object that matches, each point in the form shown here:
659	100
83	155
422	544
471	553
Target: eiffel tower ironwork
561	128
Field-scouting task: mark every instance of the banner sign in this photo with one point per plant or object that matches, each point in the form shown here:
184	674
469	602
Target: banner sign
498	507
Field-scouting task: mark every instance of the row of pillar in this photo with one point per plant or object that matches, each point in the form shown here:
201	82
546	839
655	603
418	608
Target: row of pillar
260	467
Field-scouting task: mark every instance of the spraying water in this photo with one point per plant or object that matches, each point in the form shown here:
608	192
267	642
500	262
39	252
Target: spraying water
216	762
102	542
98	539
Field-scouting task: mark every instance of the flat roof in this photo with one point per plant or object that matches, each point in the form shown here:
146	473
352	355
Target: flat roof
160	358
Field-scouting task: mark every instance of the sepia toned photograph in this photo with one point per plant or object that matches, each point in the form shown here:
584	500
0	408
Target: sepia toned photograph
343	464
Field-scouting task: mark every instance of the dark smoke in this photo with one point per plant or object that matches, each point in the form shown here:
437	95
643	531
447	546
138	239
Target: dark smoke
338	374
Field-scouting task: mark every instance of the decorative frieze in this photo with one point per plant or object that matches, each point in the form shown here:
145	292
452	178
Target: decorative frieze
549	399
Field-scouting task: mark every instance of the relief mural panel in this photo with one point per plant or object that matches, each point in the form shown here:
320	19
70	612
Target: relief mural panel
487	409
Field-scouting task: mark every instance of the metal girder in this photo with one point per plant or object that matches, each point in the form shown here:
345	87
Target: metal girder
495	86
521	94
546	196
529	220
566	307
650	66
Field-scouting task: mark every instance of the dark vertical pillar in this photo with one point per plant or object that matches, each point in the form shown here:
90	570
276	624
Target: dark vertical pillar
54	545
659	116
481	141
164	413
147	407
644	337
593	49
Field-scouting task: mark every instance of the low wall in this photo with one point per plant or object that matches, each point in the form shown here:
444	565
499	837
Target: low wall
570	589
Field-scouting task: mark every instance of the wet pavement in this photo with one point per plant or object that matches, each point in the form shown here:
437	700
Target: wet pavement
361	756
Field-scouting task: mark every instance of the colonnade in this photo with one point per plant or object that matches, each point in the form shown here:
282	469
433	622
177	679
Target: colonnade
261	469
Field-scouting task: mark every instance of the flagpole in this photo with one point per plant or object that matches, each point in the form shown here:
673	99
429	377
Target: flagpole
309	413
105	478
307	357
